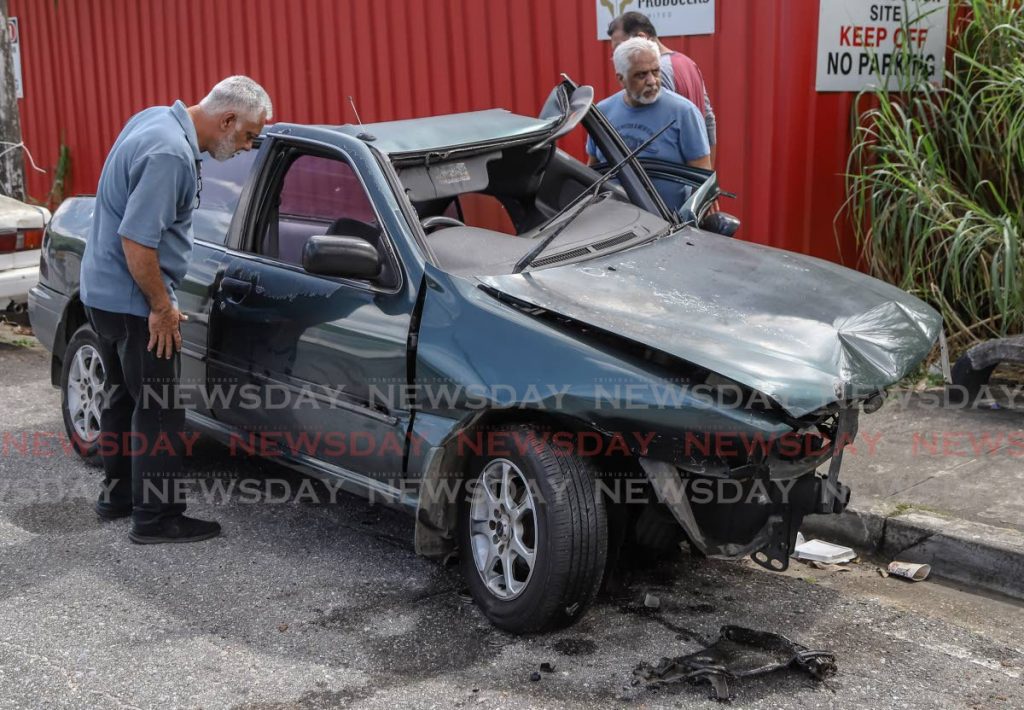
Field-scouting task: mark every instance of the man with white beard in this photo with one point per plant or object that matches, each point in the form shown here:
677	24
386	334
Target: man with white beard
642	109
135	257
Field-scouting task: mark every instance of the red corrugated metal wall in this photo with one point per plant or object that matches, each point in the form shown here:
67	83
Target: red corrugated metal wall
89	64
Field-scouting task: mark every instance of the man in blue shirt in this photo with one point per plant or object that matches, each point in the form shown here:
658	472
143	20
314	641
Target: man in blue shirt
135	258
642	108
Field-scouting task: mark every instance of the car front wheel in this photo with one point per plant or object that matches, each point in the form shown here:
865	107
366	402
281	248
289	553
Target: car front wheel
83	376
533	534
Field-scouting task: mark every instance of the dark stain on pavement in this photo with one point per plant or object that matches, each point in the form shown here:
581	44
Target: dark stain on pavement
575	647
314	700
59	517
446	636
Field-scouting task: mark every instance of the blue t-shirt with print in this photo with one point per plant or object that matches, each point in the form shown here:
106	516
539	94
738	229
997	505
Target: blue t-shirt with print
685	141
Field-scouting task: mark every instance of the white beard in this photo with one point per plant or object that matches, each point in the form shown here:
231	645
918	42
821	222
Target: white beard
224	147
647	100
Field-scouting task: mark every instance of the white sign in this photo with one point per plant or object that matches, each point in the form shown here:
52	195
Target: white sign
671	18
860	43
12	32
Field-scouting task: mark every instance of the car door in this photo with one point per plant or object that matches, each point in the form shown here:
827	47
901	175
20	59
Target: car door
303	362
221	186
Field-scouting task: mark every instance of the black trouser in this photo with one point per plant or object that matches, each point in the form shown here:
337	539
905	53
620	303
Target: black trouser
141	426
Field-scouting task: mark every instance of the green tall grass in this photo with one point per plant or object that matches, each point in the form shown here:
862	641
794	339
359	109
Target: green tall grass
935	179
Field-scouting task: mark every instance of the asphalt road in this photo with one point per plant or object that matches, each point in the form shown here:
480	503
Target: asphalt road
309	605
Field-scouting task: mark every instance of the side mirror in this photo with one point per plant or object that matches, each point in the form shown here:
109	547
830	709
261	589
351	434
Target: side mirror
345	257
698	200
721	223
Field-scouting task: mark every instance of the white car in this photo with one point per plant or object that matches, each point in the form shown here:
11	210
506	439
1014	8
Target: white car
21	236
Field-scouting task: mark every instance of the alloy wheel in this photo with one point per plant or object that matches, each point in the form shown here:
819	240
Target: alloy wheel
86	378
503	529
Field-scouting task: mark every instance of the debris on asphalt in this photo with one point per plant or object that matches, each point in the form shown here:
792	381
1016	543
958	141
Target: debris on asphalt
546	667
738	653
909	570
651	601
828	566
821	551
282	627
534	677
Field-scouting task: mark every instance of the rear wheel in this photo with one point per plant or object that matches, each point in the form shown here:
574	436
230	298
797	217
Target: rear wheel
83	376
533	535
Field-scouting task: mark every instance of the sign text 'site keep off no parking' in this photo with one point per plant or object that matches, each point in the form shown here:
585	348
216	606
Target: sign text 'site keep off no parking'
860	43
671	18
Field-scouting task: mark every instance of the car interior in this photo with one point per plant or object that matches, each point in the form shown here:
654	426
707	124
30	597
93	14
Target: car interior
532	187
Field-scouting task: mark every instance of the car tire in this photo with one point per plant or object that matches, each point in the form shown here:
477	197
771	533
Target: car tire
535	499
82	377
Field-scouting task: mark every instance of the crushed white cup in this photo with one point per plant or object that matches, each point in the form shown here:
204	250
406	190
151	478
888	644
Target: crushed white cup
910	570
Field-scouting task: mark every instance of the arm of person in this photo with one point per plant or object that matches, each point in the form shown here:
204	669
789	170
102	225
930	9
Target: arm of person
694	142
144	267
668	75
702	162
693	137
711	123
591	152
157	184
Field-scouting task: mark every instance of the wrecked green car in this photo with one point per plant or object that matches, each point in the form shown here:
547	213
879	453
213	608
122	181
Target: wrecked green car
603	373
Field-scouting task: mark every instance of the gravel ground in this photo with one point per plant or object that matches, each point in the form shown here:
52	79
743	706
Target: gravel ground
315	605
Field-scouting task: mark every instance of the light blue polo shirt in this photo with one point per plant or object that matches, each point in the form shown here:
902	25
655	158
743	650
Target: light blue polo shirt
146	193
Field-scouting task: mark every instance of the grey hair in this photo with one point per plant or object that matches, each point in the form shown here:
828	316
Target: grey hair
628	50
240	94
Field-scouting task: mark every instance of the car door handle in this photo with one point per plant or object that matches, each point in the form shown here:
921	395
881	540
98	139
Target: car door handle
235	289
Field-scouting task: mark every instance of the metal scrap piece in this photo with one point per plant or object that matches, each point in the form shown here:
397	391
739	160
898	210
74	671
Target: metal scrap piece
739	653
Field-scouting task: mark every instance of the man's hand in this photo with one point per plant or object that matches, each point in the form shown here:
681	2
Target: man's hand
164	332
144	266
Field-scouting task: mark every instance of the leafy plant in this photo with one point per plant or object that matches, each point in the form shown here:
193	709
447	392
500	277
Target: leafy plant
60	176
935	179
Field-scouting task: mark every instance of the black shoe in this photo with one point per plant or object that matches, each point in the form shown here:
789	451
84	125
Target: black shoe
180	528
109	511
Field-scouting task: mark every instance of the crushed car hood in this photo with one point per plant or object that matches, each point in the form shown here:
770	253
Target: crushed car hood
803	331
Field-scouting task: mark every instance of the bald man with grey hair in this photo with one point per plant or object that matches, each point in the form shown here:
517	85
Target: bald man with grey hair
135	259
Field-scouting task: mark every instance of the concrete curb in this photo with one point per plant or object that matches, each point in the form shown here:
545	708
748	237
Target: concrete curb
970	553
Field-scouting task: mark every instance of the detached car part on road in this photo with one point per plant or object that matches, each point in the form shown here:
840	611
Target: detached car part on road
343	261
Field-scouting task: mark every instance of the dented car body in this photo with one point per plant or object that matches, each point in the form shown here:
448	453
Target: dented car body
519	380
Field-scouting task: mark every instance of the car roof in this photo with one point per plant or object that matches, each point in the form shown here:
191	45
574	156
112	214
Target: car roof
457	130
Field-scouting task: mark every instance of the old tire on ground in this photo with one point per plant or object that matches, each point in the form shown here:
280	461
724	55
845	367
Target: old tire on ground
967	382
533	534
82	378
